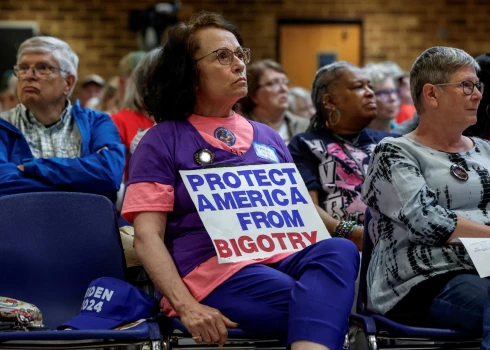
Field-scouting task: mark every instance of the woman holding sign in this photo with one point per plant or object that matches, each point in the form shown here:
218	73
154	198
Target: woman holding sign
303	297
334	154
425	189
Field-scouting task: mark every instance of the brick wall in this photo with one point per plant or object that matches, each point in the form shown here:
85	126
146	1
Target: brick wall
396	30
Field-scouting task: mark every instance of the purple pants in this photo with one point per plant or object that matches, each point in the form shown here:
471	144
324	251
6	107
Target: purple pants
307	296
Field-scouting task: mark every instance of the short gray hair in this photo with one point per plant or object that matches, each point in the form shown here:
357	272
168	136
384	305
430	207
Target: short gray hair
64	56
377	73
436	66
135	93
297	92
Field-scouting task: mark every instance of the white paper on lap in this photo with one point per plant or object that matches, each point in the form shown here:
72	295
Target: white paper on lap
479	252
254	211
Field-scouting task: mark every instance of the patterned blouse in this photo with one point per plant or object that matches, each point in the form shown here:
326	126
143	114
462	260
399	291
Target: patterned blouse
415	197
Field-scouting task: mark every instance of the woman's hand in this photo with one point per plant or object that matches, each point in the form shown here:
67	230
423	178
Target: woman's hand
205	324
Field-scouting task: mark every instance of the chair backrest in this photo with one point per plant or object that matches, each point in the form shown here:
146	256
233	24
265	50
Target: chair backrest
52	245
367	250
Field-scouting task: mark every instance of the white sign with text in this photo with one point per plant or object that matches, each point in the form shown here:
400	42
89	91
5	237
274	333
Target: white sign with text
254	211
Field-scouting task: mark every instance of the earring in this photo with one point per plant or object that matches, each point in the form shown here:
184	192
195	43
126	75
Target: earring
338	117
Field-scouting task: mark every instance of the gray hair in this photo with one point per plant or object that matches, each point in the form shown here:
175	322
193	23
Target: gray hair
436	66
135	94
393	69
325	79
297	92
64	56
378	73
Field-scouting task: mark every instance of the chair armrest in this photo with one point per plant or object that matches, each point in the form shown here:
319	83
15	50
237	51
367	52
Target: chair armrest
366	323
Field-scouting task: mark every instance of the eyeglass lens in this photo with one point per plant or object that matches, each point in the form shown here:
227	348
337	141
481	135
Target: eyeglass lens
226	56
468	87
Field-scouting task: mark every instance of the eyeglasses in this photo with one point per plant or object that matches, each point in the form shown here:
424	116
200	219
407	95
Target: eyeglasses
42	69
275	84
467	85
386	95
226	56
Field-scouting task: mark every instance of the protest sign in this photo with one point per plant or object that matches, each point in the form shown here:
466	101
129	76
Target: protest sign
254	211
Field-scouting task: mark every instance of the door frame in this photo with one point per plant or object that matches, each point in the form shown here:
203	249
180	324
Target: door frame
315	21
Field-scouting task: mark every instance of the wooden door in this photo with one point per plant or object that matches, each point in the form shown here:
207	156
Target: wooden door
304	48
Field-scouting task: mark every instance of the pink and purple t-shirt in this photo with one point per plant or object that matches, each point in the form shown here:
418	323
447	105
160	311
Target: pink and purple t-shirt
155	185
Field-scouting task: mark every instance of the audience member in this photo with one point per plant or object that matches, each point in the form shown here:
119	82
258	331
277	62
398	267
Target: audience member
8	91
424	190
267	100
482	126
387	100
48	144
333	155
108	102
126	66
91	87
199	77
300	103
407	109
133	115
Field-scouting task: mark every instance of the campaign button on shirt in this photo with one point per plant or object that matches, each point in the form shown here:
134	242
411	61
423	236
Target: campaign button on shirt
225	136
265	152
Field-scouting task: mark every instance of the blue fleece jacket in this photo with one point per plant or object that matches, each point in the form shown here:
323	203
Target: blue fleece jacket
98	170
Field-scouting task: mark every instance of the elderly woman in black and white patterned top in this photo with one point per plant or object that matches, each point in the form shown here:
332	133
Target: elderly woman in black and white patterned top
424	190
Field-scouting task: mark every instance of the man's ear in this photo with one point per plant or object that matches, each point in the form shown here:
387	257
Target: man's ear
70	81
431	95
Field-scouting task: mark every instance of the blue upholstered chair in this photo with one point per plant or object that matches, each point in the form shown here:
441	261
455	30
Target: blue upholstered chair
52	245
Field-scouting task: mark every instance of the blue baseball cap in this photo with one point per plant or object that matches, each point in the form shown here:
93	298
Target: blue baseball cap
110	302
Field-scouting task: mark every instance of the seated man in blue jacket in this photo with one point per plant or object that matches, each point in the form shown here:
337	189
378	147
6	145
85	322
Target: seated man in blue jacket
48	144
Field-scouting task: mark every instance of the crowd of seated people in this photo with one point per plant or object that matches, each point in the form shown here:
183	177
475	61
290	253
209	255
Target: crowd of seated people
199	92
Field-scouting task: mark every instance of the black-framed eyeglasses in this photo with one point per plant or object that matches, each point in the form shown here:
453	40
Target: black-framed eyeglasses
42	69
467	85
387	94
226	56
275	84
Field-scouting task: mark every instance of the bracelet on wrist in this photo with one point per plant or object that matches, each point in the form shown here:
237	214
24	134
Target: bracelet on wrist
344	228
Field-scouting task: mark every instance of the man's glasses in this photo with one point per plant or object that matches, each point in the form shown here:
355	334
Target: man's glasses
226	56
467	85
39	69
275	84
387	95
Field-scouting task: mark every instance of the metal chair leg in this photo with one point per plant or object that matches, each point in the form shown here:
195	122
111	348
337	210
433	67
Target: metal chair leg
372	342
166	344
156	345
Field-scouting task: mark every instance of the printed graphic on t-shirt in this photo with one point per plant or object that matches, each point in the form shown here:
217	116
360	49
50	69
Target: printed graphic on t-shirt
341	179
225	136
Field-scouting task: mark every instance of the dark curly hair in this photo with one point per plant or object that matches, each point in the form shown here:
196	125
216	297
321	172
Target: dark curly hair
171	88
482	126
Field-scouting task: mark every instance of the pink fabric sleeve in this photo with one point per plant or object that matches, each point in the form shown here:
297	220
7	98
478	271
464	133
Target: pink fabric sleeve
147	196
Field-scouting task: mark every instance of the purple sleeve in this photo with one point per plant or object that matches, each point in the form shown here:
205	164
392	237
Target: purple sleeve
154	158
